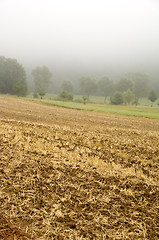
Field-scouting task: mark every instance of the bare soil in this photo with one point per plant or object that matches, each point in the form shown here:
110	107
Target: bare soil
69	174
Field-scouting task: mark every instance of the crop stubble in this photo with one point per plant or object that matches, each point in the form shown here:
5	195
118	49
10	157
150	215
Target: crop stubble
68	174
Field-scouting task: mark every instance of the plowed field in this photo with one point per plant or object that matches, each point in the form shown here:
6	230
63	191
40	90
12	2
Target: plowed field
68	174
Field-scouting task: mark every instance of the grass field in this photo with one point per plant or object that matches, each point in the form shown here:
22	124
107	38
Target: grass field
99	99
78	175
139	111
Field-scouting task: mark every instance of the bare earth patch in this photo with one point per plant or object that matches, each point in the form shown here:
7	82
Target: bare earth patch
68	174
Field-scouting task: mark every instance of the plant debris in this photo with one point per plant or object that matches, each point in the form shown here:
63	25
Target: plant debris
68	174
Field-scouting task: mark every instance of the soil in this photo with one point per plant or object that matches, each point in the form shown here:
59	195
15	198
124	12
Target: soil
69	174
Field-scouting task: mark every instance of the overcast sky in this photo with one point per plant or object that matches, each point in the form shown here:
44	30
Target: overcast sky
97	33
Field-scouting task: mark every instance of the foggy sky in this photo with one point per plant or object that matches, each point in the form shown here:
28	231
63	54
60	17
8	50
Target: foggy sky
92	35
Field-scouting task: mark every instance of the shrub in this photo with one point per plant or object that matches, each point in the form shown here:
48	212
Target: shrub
117	99
66	96
78	100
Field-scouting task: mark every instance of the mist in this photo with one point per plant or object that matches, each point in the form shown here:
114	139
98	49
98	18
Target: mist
75	38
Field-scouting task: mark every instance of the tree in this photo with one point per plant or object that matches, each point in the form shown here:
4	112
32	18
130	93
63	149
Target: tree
42	77
87	86
67	86
84	99
140	83
128	97
42	92
117	99
12	77
152	96
20	88
106	86
136	101
124	84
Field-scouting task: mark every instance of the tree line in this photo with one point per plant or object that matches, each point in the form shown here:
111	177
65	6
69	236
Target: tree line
12	77
128	89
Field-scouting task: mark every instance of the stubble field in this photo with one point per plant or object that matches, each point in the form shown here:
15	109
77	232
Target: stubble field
68	174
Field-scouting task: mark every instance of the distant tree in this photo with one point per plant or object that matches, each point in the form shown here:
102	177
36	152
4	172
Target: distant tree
87	86
140	83
84	99
136	101
66	95
152	96
117	99
124	84
42	77
19	88
12	77
42	92
106	86
128	97
67	86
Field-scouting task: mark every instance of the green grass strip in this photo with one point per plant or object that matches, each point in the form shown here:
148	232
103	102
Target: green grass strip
147	112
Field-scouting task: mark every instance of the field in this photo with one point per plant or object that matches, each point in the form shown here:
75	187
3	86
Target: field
139	111
143	102
100	99
69	174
